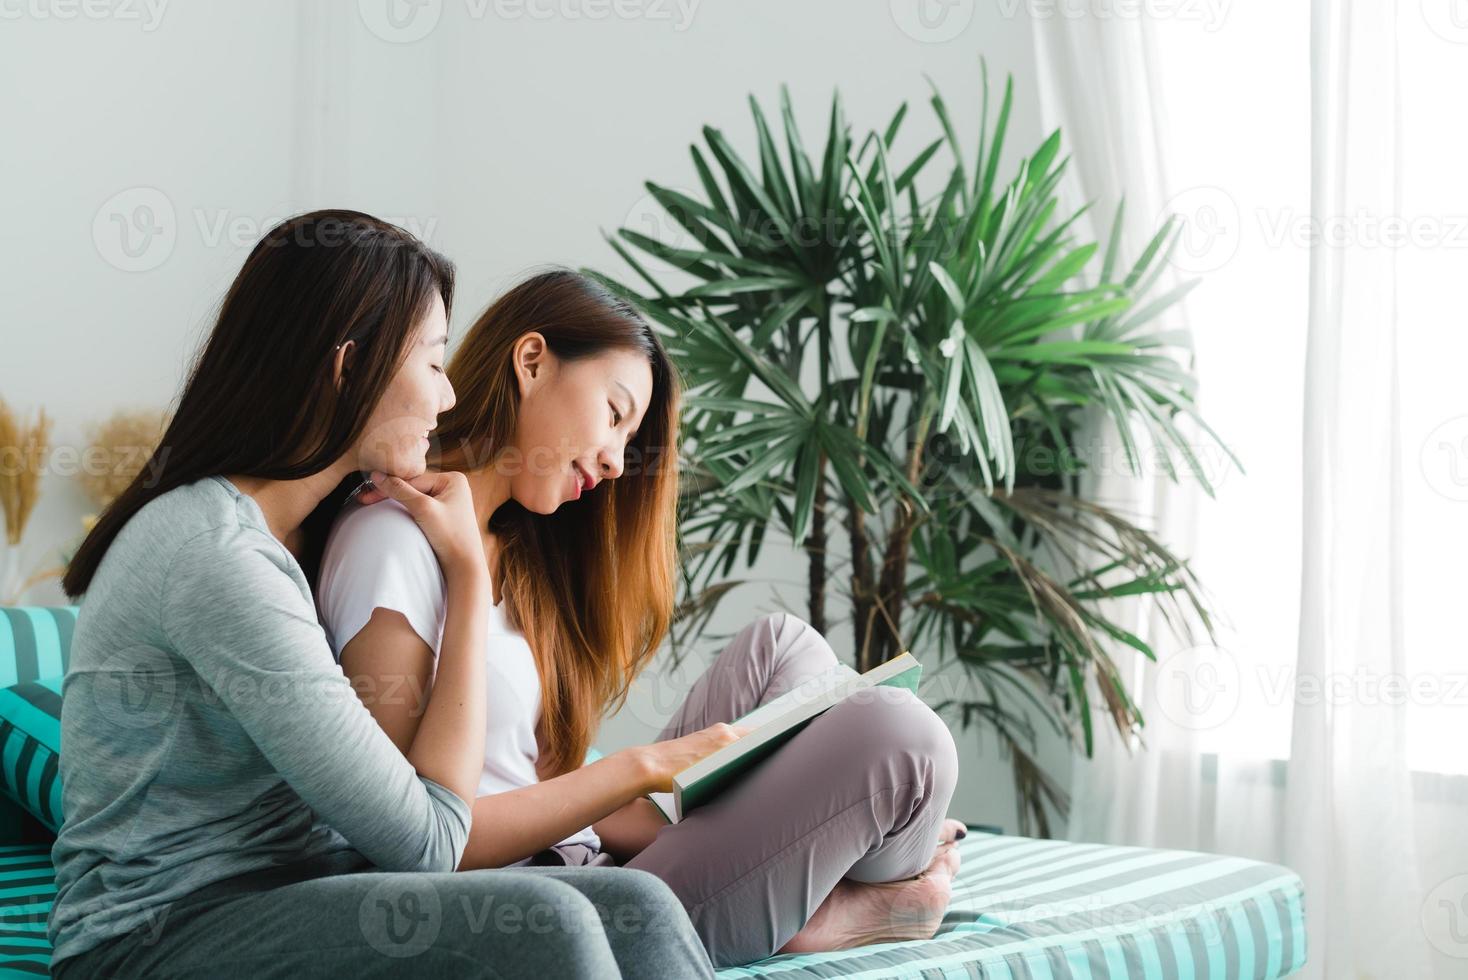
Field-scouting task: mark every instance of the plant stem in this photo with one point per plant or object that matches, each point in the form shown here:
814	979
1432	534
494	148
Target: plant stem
861	583
816	543
815	547
899	542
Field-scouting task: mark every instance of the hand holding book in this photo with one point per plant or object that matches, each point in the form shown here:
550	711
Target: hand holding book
763	730
664	760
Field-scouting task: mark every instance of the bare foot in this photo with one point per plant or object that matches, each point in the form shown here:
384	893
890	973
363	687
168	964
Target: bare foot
857	912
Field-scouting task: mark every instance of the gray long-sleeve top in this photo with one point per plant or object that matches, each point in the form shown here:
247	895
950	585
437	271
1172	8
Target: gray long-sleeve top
207	731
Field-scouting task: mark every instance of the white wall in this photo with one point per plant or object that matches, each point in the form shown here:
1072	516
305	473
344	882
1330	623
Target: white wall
507	134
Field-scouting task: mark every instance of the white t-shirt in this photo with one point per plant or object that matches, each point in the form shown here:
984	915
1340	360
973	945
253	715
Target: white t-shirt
377	557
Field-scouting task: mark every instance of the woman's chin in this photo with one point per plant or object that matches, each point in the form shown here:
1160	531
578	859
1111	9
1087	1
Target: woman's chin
549	504
407	469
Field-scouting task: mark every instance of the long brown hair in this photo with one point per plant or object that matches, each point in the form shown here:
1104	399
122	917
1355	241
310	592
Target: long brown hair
260	400
592	586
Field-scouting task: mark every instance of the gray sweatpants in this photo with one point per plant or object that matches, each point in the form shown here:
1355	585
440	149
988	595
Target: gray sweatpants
337	916
860	793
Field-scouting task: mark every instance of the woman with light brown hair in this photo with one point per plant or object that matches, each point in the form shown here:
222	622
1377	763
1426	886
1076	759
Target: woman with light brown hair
566	426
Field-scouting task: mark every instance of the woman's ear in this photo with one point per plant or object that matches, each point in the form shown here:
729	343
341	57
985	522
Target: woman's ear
532	359
342	362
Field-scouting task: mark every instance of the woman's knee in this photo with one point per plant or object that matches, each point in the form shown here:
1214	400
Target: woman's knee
795	646
643	919
627	896
485	911
647	903
893	726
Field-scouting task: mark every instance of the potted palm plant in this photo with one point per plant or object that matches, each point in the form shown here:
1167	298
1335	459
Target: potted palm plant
897	380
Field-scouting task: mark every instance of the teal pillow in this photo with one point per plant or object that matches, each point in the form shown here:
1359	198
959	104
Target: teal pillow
30	747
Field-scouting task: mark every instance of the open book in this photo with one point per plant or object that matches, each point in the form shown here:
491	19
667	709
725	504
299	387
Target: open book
772	724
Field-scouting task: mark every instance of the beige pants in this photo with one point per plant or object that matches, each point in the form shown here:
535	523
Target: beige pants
860	793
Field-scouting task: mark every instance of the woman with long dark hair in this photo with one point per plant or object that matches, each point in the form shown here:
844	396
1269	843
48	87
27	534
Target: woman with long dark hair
231	808
566	429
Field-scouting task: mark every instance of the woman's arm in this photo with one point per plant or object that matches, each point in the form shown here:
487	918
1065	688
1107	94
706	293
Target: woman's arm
391	668
447	739
521	822
448	745
231	609
516	824
626	832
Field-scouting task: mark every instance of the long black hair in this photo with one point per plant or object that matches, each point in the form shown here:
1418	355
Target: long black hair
261	400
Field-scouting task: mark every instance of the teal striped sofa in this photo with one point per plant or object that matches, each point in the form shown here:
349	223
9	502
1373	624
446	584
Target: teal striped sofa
1023	909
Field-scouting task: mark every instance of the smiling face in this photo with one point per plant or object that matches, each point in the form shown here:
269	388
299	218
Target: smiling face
397	433
576	418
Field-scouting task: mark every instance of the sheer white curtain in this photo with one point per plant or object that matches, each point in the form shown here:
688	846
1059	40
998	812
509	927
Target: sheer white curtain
1349	794
1099	83
1340	810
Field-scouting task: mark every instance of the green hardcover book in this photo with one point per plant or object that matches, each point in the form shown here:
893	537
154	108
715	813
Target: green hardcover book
772	725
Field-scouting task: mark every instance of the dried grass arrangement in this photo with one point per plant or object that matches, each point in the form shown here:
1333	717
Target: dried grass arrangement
22	449
118	450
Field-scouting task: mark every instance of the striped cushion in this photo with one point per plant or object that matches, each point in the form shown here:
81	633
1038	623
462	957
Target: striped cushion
35	647
1041	908
1021	909
34	642
27	888
30	747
